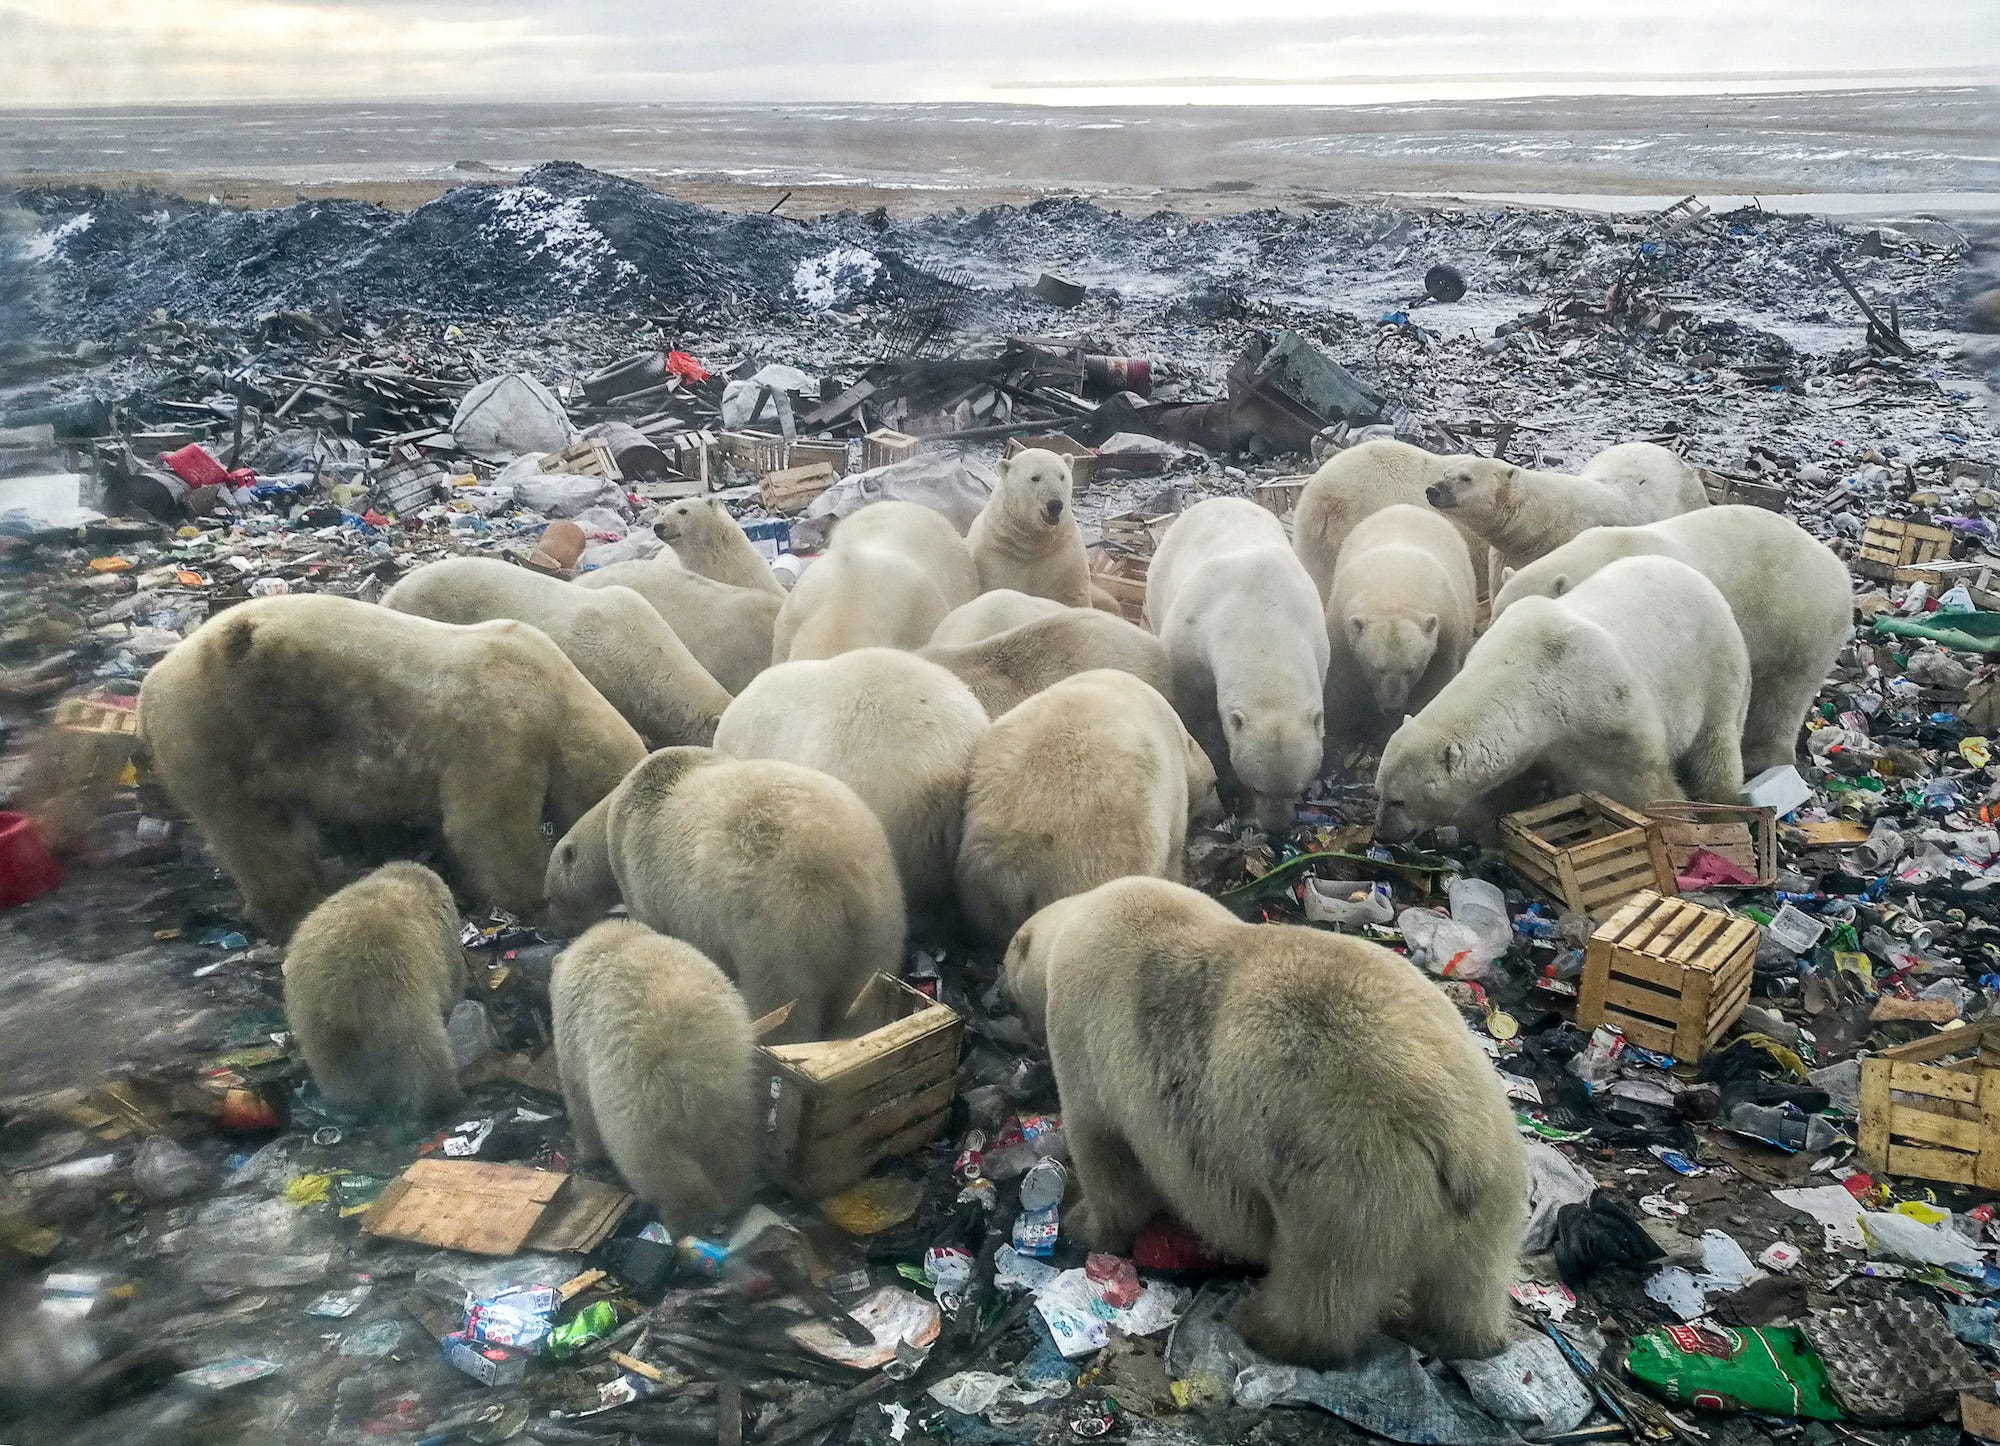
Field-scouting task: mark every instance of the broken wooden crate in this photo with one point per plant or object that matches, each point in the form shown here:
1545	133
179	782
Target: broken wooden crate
882	447
1135	531
1280	496
790	489
1586	851
1122	576
1892	543
833	1110
1673	975
1082	460
1930	1110
1747	837
591	457
76	763
495	1209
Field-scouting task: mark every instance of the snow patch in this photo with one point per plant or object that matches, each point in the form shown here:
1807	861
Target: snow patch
835	279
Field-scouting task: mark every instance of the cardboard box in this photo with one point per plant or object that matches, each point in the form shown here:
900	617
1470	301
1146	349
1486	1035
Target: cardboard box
833	1110
495	1209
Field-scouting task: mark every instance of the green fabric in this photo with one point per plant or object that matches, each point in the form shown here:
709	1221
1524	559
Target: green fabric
1966	632
1774	1370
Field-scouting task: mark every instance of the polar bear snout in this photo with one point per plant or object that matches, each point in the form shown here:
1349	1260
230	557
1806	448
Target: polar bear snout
1439	495
1052	511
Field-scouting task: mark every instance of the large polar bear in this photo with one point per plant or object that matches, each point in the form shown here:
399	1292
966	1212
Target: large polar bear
615	637
1302	1100
370	976
1791	596
711	542
1633	684
1399	619
1090	780
286	713
1003	669
1246	637
658	1071
897	729
990	613
890	575
728	629
1526	514
778	873
1357	483
1026	537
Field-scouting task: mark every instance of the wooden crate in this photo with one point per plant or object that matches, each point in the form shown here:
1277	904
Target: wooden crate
757	453
789	490
1747	837
1931	1109
74	766
590	458
884	446
833	1110
1280	496
1673	975
1945	575
1586	851
1889	543
1726	489
1082	460
806	453
1136	532
1122	575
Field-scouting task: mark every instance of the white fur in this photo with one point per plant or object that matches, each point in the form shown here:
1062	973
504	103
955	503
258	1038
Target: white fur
711	542
1792	599
1026	536
1246	638
728	629
1357	483
890	575
1005	668
990	613
1633	685
1399	618
1527	514
895	728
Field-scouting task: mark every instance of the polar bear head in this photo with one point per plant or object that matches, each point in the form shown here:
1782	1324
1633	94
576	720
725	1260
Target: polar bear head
1394	653
579	885
1473	484
1035	486
686	521
1418	784
1275	749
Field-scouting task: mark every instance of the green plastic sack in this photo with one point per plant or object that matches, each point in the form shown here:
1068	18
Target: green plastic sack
593	1323
1962	632
1773	1370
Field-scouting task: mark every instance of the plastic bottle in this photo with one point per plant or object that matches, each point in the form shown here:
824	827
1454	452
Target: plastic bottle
1787	1129
470	1033
1482	908
164	1171
1043	1185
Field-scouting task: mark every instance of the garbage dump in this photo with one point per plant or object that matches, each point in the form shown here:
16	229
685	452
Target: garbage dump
1749	1046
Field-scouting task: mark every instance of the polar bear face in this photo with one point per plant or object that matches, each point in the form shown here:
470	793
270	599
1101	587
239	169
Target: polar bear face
683	521
578	885
1037	486
1477	484
1275	751
1394	653
1416	787
1024	973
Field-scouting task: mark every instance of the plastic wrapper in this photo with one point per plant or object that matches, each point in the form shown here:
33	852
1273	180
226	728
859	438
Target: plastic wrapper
1773	1370
593	1323
1530	1384
519	1318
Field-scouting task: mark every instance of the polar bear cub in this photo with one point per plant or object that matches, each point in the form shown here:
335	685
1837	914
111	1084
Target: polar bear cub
1026	537
655	1050
370	976
1634	684
1301	1099
1089	780
1792	598
1246	637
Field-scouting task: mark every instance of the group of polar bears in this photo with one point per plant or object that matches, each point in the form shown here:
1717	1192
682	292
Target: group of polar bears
929	724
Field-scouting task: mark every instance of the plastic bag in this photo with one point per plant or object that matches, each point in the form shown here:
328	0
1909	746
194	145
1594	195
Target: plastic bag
510	414
1773	1370
1530	1384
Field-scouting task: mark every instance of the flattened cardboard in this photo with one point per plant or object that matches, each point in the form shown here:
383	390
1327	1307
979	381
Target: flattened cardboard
495	1209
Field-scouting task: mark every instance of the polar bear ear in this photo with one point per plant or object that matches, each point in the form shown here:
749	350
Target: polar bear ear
1235	718
1454	756
1356	626
1558	585
1428	626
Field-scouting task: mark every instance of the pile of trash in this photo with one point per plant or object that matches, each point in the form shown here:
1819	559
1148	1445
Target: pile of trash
1789	1218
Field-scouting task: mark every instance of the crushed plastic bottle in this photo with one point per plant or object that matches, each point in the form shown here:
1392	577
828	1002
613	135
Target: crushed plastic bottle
164	1171
1441	944
470	1033
1787	1128
1481	908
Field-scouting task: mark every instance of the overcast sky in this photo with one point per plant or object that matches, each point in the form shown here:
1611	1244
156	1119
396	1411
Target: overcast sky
110	51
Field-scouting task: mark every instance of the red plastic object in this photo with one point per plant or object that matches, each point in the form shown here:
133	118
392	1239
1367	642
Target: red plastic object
1169	1245
686	367
194	466
27	870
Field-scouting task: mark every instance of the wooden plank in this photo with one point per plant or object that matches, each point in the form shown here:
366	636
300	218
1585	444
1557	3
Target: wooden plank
1653	971
1590	990
864	1060
1931	1129
1692	1036
1636	998
1873	1140
1603	845
1611	808
1691	948
1986	1168
1951	1041
464	1205
1931	1164
1566	882
1630	860
1643	1032
1941	1084
937	1060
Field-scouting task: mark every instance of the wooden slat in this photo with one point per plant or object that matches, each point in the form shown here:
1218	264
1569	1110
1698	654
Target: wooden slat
1927	1164
1653	971
1641	1031
1986	1168
1942	1084
1874	1132
1635	998
1951	1041
1931	1129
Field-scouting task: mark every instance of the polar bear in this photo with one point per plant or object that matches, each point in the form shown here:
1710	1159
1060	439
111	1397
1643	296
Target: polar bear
728	629
897	729
1007	667
1633	684
990	613
370	976
1526	514
615	637
711	542
1246	638
890	575
1301	1099
285	713
778	873
1399	619
658	1069
1026	537
1792	598
1091	779
1360	481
